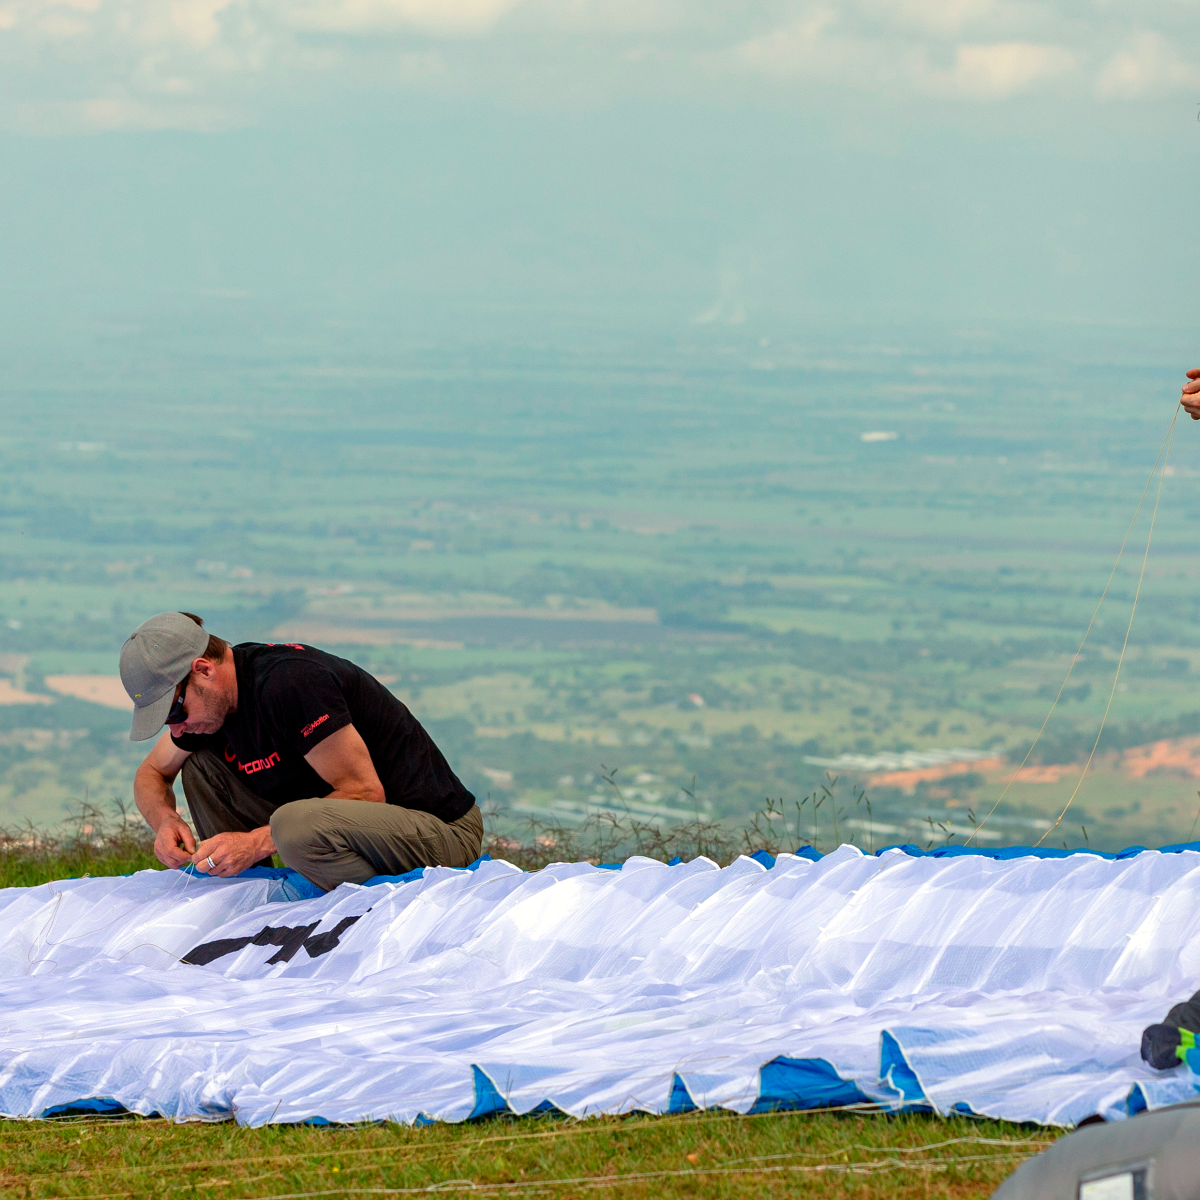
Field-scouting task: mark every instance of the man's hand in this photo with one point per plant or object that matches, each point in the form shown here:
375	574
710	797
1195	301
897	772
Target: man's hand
174	843
1191	395
232	853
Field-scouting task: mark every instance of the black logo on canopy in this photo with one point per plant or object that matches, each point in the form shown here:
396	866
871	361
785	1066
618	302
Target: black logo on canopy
289	939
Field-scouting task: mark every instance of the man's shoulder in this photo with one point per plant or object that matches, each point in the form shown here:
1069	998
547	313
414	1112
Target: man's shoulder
275	668
268	658
274	665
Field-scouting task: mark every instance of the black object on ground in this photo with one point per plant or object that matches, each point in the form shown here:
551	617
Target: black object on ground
1153	1156
1160	1046
1164	1045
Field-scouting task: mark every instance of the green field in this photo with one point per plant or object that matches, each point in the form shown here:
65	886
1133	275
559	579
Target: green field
848	1154
674	557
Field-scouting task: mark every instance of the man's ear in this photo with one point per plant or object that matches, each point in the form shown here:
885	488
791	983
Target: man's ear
204	667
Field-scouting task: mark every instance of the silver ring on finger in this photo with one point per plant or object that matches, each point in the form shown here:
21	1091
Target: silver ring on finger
212	866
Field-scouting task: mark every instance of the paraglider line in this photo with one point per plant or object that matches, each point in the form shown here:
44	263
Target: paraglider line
1164	450
1124	644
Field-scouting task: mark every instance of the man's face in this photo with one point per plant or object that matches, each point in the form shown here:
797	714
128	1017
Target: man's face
206	705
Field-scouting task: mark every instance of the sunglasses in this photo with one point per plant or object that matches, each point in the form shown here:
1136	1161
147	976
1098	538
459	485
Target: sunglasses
178	714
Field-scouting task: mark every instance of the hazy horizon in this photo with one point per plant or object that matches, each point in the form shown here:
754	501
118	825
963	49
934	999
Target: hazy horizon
888	160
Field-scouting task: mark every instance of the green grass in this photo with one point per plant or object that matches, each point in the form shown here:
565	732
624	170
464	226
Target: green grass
89	846
864	1155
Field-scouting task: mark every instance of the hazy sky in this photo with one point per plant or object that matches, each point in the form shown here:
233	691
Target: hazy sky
721	162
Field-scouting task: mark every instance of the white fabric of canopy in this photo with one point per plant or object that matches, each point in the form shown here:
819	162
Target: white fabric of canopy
1017	988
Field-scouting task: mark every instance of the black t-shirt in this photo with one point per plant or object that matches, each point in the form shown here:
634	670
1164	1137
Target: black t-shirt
291	698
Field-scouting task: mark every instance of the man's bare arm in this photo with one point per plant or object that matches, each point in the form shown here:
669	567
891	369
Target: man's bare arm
174	843
344	761
1191	395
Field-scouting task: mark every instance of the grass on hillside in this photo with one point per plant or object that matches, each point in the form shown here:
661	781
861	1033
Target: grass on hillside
115	842
92	842
863	1154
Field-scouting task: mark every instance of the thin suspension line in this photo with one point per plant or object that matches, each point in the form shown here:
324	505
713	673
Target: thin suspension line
1124	644
1163	449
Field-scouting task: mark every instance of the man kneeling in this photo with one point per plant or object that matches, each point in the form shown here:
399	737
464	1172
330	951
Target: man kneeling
286	749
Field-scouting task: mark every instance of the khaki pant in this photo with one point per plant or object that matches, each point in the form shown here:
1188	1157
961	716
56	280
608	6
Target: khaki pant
329	841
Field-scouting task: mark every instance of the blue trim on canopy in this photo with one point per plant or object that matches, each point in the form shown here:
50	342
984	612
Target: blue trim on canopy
894	1070
296	887
417	872
489	1102
680	1099
784	1083
804	1083
103	1105
768	860
407	877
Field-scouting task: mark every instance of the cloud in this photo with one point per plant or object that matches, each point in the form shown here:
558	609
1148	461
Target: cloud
208	63
1006	68
822	47
100	115
131	114
938	17
792	48
446	17
1150	66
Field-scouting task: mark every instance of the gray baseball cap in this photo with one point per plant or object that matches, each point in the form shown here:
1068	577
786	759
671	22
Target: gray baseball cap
158	656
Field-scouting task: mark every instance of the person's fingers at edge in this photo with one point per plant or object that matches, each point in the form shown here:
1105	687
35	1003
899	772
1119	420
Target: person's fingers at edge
1194	373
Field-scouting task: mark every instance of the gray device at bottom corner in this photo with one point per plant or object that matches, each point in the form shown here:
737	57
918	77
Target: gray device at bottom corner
1153	1156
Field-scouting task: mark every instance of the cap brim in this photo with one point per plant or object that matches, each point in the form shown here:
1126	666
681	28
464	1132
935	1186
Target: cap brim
149	720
